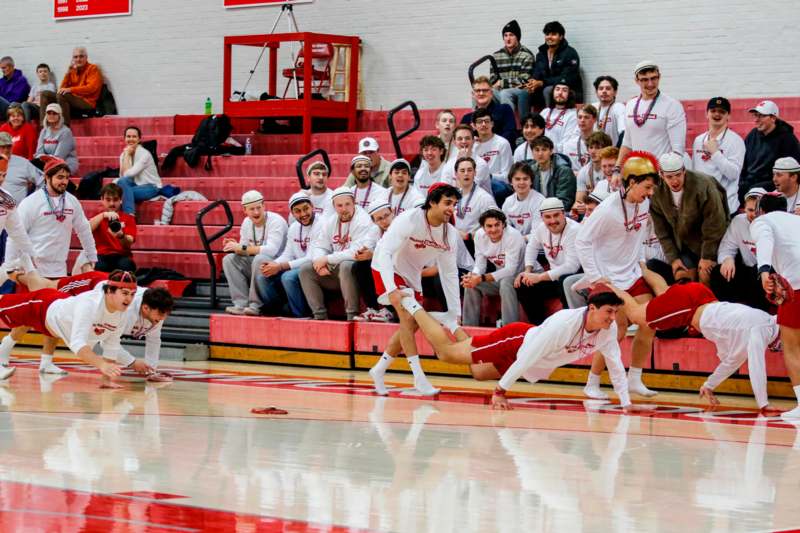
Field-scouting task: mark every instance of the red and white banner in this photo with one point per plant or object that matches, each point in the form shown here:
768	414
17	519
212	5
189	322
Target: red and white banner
78	9
253	3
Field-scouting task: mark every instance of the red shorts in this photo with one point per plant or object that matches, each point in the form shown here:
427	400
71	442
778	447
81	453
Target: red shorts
677	306
29	309
75	285
500	346
639	288
380	290
789	313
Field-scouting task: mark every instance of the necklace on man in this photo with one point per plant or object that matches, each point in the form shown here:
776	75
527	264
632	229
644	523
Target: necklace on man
639	121
59	214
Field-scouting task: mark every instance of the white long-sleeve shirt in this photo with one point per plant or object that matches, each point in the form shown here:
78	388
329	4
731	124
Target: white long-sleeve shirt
524	214
652	246
558	126
138	327
51	238
471	207
562	339
740	333
737	239
10	221
424	178
610	249
404	201
483	176
588	177
144	170
84	320
725	165
322	202
559	249
339	241
777	238
368	194
409	245
496	152
270	238
664	131
297	251
611	120
574	147
506	254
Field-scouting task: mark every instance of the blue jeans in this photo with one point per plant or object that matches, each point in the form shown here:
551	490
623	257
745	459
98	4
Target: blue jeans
132	194
501	190
517	98
282	287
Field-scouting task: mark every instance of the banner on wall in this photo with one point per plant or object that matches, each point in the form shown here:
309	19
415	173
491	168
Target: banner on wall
78	9
253	3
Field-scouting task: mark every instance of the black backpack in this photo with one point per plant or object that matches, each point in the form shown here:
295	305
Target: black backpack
208	140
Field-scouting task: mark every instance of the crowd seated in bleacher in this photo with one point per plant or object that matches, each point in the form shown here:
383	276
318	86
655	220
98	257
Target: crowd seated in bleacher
22	133
138	172
56	140
14	86
79	90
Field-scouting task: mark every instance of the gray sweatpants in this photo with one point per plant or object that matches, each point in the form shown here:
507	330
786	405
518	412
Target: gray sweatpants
342	277
241	272
509	304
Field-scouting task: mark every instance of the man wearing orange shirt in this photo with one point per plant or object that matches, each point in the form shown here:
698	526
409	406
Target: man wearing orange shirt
79	89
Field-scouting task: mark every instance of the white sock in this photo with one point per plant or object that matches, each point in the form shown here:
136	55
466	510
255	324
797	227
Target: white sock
45	359
416	367
383	363
6	346
410	304
796	391
378	371
594	380
634	374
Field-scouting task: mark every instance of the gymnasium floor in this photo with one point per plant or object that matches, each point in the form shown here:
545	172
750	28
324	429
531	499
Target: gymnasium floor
190	456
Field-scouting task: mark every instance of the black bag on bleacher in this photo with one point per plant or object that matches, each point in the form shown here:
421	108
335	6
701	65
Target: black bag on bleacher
209	140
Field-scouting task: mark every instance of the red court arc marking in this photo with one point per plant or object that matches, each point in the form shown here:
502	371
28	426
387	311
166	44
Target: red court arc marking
146	494
27	507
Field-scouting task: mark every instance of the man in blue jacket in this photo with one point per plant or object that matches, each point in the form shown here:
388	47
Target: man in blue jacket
555	60
503	120
13	86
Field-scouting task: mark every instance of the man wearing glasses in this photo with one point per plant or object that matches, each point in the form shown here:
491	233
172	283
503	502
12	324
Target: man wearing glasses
654	122
503	120
80	88
770	140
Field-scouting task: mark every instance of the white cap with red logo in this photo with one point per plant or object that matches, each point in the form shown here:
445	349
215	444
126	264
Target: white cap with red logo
765	107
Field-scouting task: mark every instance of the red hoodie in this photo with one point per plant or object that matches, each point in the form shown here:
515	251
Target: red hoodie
25	139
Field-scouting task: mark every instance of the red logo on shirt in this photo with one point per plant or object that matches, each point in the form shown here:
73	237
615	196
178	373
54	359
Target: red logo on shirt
342	241
499	259
427	243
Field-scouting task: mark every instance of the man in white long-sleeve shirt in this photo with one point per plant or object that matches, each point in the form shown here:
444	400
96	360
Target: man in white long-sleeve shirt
786	178
80	321
49	216
365	190
472	202
416	239
503	247
318	190
432	151
654	122
492	148
611	244
735	278
561	120
555	237
739	333
279	280
522	207
333	254
777	237
402	196
262	238
464	140
9	219
719	152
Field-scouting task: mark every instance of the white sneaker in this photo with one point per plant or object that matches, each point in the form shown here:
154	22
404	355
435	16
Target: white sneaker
234	310
384	315
51	368
594	392
251	311
794	414
377	379
425	388
639	388
366	316
7	371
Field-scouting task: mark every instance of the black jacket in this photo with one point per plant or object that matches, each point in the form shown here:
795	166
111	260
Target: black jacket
566	64
761	151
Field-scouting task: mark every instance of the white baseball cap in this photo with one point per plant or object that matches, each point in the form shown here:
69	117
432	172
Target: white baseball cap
786	164
342	191
358	158
670	162
368	144
599	194
551	204
765	107
647	64
251	197
298	197
755	192
377	205
315	165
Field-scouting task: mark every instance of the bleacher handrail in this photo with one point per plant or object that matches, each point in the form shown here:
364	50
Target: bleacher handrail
393	130
301	177
492	61
208	240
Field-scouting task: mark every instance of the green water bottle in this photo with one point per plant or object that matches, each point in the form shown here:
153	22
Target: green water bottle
209	106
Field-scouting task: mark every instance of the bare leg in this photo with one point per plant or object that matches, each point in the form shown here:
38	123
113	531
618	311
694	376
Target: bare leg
656	282
46	365
459	352
407	329
35	282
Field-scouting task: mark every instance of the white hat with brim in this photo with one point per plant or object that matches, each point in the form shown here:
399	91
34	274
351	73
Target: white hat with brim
647	64
786	164
765	107
551	204
342	191
298	197
251	197
670	162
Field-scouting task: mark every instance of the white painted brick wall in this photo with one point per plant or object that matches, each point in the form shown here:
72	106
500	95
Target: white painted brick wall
167	57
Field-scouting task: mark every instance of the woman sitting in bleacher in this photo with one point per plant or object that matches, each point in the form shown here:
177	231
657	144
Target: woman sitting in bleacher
138	173
56	140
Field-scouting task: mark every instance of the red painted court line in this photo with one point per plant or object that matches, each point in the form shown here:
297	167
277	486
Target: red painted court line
28	507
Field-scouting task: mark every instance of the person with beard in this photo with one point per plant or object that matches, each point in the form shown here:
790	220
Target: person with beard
365	190
432	151
555	60
279	282
318	191
610	113
576	144
333	252
786	178
771	139
504	123
719	152
561	119
555	237
402	196
379	167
